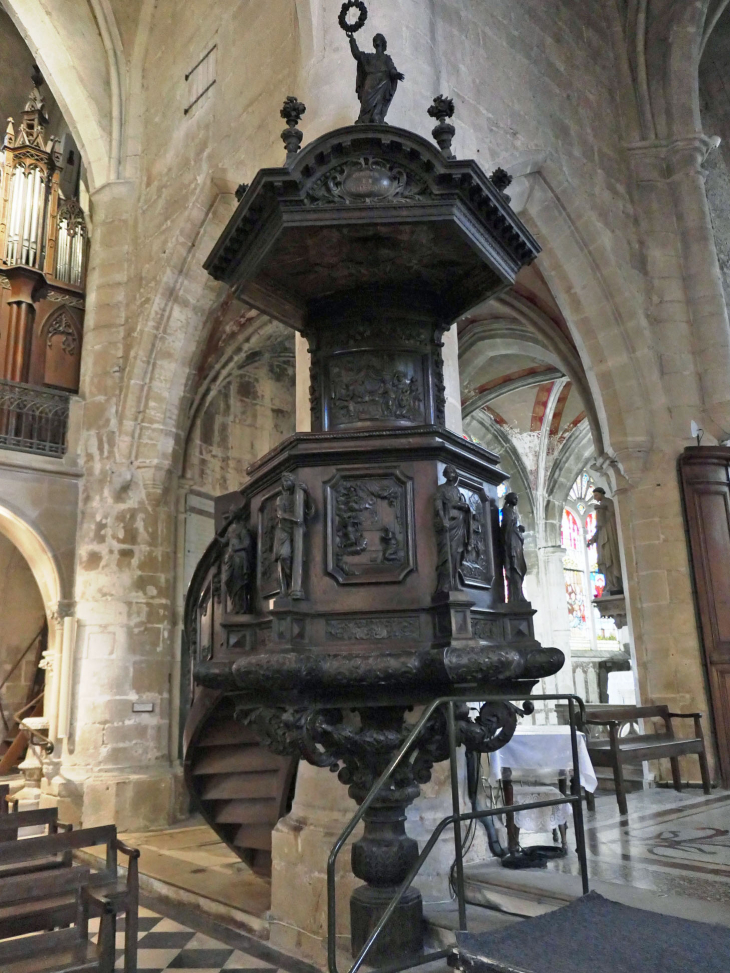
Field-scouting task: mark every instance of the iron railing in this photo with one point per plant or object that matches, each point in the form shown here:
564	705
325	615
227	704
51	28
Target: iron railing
455	820
33	420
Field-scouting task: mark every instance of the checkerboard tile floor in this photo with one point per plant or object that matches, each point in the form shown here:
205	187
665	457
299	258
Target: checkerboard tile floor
164	944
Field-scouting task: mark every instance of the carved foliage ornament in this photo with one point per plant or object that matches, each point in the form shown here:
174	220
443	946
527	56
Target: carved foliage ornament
367	181
62	325
371	629
71	216
359	748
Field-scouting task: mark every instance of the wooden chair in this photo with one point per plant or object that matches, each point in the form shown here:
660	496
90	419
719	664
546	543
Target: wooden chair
106	891
615	750
66	950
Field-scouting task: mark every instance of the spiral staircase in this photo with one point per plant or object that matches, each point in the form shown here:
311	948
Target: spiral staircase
240	788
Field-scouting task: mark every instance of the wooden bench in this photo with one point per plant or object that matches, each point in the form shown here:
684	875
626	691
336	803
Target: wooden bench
15	821
66	950
54	852
616	750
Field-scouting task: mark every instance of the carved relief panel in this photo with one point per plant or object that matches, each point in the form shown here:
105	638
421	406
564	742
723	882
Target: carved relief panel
370	533
370	386
477	568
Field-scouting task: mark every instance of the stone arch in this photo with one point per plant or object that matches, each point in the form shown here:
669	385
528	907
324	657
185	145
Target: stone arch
47	574
165	347
604	315
76	67
575	455
258	357
526	328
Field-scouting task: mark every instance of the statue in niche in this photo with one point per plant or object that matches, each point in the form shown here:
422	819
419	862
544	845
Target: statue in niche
454	531
513	549
294	507
606	540
239	564
377	80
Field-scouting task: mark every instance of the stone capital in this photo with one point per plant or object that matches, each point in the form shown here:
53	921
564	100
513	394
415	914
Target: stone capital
667	160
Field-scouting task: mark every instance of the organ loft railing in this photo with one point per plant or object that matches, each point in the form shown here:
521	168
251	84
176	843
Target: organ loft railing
43	255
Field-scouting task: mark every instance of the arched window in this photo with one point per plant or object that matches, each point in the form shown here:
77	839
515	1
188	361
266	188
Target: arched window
583	581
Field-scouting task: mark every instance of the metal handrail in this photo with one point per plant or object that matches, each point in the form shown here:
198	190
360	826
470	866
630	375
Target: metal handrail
455	819
31	731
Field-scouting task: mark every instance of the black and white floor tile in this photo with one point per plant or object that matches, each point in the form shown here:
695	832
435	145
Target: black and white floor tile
165	944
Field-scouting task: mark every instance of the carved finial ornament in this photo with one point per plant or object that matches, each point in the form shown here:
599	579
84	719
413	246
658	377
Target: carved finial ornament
501	179
292	112
441	109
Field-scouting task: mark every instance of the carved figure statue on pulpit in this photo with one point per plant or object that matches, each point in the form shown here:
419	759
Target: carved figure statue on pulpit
607	545
294	507
454	531
377	80
513	549
239	564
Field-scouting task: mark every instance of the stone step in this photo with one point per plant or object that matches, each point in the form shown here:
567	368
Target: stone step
533	893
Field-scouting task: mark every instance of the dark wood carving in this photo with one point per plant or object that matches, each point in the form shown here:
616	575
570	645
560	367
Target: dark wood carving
370	386
370	527
705	478
239	565
371	241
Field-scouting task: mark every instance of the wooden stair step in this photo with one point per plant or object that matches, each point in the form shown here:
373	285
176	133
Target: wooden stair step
227	732
248	812
230	786
253	836
235	759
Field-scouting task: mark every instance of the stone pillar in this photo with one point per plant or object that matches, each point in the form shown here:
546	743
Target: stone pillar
451	381
686	312
116	765
303	359
702	277
301	844
552	622
668	656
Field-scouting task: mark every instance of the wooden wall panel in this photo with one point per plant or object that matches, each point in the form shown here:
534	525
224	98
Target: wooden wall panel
705	479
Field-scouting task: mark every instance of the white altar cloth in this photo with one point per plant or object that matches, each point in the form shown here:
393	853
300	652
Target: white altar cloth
542	752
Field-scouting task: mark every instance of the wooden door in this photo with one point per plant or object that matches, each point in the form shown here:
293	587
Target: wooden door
705	479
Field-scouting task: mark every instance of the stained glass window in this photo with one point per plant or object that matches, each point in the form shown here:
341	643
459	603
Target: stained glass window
583	581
